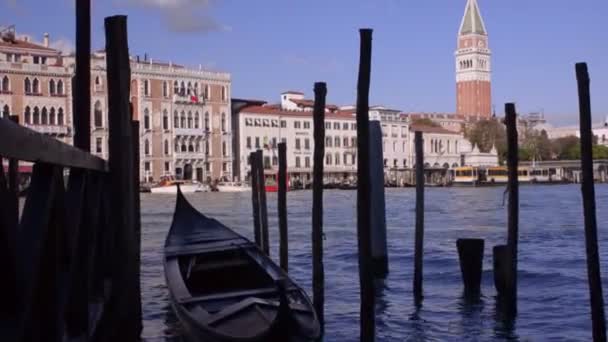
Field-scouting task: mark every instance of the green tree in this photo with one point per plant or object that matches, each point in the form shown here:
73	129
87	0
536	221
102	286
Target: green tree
538	145
566	148
487	133
600	152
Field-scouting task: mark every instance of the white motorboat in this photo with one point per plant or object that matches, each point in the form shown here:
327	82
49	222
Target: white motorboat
232	187
169	186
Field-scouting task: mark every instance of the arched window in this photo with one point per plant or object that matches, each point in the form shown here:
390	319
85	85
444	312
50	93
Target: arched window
147	147
36	86
176	147
456	147
197	146
27	115
207	149
44	116
345	158
165	119
189	90
184	148
175	87
189	119
191	147
223	93
146	119
223	122
182	90
146	88
36	116
97	115
60	87
224	151
206	93
195	88
60	119
448	146
197	119
166	147
207	121
183	120
52	87
52	117
27	84
6	112
328	159
175	119
165	89
337	158
5	84
97	81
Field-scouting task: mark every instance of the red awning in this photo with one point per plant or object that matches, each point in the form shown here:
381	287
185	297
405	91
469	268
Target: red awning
22	168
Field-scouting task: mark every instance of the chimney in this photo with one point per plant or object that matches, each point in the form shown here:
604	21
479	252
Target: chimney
46	40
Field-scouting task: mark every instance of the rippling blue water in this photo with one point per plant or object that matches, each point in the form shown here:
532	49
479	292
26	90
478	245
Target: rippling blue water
553	292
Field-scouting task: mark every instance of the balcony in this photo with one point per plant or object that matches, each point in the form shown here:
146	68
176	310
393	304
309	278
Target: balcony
50	129
188	99
190	131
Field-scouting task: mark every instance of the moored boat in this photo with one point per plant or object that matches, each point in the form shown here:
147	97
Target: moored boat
232	187
224	288
168	185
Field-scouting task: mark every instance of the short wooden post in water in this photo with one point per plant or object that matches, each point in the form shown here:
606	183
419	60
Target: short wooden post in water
419	244
282	208
122	319
318	274
364	236
378	208
255	198
513	208
588	190
263	207
500	256
470	253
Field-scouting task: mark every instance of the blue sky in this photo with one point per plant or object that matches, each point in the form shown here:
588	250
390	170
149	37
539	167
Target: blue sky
275	45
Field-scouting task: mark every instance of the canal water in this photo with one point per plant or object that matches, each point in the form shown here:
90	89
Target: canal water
553	292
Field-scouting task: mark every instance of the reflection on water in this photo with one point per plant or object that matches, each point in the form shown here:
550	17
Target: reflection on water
553	299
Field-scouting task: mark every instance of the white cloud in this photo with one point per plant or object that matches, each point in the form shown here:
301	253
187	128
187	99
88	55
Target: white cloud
183	15
64	45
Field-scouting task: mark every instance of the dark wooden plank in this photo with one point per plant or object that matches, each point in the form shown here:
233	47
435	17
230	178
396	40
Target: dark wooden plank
588	189
419	244
255	198
137	208
82	79
366	279
263	205
282	208
39	256
513	208
25	144
121	319
318	272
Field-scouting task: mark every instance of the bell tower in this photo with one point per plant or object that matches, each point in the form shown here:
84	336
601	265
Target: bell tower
473	65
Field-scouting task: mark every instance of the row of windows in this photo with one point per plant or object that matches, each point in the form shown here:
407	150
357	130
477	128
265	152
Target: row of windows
33	86
265	123
336	142
394	131
272	143
297	124
42	116
299	142
330	159
345	125
192	147
437	146
469	63
186	89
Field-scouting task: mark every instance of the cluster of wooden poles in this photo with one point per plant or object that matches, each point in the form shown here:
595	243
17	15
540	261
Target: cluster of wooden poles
470	251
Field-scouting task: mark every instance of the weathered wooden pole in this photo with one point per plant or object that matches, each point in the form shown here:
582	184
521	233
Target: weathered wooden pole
263	206
13	182
282	208
588	190
500	255
470	253
419	240
378	207
122	315
318	273
513	208
137	202
82	80
364	236
255	198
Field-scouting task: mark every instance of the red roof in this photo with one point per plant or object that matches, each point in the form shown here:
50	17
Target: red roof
272	110
22	44
430	129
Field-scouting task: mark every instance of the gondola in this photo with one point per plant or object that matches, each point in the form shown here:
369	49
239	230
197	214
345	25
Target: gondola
224	288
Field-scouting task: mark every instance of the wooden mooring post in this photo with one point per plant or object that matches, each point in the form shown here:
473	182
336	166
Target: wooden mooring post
513	209
263	205
419	239
366	277
377	202
255	198
318	274
123	312
282	208
588	189
470	254
13	182
82	79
